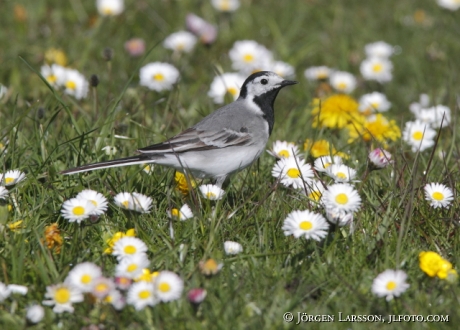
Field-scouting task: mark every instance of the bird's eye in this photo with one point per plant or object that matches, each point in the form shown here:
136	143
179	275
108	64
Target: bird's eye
264	81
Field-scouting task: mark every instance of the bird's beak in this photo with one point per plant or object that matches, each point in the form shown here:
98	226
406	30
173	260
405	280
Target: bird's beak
288	82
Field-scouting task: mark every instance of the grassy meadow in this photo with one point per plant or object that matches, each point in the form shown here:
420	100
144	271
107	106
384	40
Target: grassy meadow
44	131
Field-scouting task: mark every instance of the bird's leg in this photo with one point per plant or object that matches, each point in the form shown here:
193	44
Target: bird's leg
220	180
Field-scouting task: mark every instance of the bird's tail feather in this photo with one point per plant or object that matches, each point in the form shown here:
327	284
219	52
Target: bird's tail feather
141	159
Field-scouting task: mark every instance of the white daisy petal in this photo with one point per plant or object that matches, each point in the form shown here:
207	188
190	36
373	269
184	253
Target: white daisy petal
11	178
82	276
98	200
377	68
110	7
418	135
77	209
232	247
321	164
341	173
211	192
128	246
158	76
248	56
284	149
142	294
181	41
62	296
168	286
293	172
225	83
343	82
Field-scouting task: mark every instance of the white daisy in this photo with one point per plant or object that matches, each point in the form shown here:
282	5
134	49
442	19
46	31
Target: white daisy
343	82
128	246
372	102
181	41
168	286
418	135
248	56
341	173
391	283
124	200
424	102
3	193
62	296
77	209
293	172
142	203
225	83
110	150
435	115
321	164
74	83
341	197
315	73
226	5
315	190
283	69
82	276
211	192
196	295
110	7
4	292
182	214
339	217
158	76
377	68
102	286
147	168
53	74
283	149
11	177
205	31
305	223
98	200
35	313
380	158
232	247
438	195
142	294
132	267
449	4
116	299
379	49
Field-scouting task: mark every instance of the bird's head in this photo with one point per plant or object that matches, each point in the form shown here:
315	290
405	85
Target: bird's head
263	82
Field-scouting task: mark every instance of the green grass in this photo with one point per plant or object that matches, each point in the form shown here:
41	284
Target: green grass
48	132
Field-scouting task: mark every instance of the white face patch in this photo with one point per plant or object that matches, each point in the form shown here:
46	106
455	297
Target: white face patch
263	84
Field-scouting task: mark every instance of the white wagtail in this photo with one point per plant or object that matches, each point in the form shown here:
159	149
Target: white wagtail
224	142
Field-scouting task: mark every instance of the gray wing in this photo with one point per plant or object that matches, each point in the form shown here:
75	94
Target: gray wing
194	139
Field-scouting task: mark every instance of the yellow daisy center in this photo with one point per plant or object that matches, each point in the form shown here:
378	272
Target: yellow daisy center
51	78
164	287
437	196
341	175
130	249
283	153
101	287
374	105
305	225
327	165
224	5
9	180
144	294
175	213
341	86
321	75
125	204
78	210
315	195
341	198
62	295
391	285
93	201
248	57
377	67
107	11
71	85
210	195
131	268
108	299
417	135
233	91
85	279
158	77
293	173
180	46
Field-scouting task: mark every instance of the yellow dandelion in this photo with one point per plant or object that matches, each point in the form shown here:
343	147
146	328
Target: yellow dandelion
374	128
430	262
182	183
111	241
336	111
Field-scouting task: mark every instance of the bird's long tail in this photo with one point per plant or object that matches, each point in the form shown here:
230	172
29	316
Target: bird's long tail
140	159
